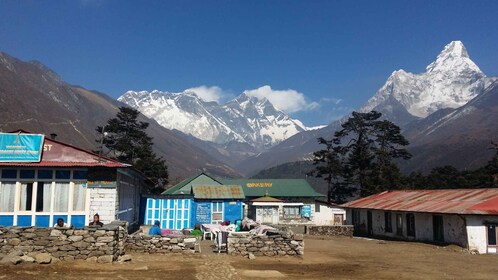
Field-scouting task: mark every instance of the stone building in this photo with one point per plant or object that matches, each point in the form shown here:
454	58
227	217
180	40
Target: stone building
465	217
43	179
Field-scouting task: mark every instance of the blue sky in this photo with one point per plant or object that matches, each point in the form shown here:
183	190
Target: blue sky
318	59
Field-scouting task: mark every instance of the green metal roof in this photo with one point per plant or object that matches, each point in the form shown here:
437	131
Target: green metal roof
185	186
274	187
218	192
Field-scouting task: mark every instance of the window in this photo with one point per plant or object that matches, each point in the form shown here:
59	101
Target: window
26	196
491	235
80	174
43	196
399	224
292	212
355	217
79	197
61	197
45	174
388	222
62	174
7	196
9	174
27	174
217	212
410	224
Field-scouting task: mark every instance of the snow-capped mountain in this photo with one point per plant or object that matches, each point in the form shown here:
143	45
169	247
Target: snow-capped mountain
423	105
451	81
245	119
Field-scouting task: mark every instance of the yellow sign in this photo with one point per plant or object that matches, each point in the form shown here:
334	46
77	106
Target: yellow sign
259	185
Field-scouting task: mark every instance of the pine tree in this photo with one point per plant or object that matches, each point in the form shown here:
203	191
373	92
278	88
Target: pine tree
127	141
329	166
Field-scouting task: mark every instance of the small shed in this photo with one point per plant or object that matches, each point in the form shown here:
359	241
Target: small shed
265	209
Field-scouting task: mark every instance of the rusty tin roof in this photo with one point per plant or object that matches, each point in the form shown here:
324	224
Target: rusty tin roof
454	201
218	192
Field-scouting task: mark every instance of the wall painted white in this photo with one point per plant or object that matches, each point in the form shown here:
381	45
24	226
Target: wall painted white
477	233
324	214
103	202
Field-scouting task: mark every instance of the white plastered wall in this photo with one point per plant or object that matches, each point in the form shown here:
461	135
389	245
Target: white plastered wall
477	233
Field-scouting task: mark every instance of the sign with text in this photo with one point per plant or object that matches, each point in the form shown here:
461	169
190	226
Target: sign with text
20	147
306	211
259	185
101	178
203	213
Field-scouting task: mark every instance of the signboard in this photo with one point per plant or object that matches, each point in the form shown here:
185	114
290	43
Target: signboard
306	211
260	185
20	147
203	213
101	178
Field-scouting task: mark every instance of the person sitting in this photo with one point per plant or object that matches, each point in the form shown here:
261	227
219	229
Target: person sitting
196	231
155	229
60	223
96	221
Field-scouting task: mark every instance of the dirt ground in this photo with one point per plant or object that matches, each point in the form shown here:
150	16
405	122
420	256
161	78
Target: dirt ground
324	258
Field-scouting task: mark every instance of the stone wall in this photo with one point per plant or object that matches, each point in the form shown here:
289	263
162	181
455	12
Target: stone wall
338	230
280	244
156	244
103	244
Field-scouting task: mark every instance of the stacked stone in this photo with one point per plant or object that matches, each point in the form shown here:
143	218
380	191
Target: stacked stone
338	230
93	244
155	244
282	244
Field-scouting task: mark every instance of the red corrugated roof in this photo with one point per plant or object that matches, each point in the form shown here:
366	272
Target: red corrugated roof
457	201
62	164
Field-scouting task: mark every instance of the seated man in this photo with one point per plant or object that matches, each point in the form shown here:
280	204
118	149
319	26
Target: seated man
60	223
96	221
155	229
196	231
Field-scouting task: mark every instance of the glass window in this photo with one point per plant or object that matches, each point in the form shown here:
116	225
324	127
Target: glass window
80	174
9	174
79	197
292	212
7	196
399	224
491	235
43	196
26	196
27	174
410	224
45	174
61	197
217	212
62	174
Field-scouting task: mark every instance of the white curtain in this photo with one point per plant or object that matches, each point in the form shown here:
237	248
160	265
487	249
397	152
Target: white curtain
7	196
47	195
79	197
61	197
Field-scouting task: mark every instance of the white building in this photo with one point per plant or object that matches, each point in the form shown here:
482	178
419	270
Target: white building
328	214
465	217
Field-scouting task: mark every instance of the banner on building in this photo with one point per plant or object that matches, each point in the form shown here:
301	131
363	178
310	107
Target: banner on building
20	147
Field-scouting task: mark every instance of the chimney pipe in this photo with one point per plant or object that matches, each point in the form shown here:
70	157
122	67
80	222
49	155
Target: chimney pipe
53	136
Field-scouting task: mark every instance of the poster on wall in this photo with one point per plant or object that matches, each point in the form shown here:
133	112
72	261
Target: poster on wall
203	213
20	147
306	211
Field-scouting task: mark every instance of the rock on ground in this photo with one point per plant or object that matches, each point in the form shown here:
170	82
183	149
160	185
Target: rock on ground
43	258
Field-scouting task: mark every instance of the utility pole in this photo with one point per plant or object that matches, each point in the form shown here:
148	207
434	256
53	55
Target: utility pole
101	150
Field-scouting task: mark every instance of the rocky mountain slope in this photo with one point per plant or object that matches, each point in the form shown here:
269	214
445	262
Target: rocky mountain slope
34	98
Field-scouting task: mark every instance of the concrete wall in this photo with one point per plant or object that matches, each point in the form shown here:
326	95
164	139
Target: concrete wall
104	202
324	214
454	226
281	244
477	233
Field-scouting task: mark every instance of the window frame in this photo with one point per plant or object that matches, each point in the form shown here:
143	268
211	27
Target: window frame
487	235
295	215
410	225
388	222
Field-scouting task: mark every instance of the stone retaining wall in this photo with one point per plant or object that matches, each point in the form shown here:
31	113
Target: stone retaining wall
281	244
103	244
340	230
155	244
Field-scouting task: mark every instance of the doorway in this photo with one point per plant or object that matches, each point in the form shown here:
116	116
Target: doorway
438	228
369	223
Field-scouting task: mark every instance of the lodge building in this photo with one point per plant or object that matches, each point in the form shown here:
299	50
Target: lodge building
43	179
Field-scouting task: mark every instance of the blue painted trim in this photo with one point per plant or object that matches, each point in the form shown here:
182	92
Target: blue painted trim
78	221
42	221
7	221
24	220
